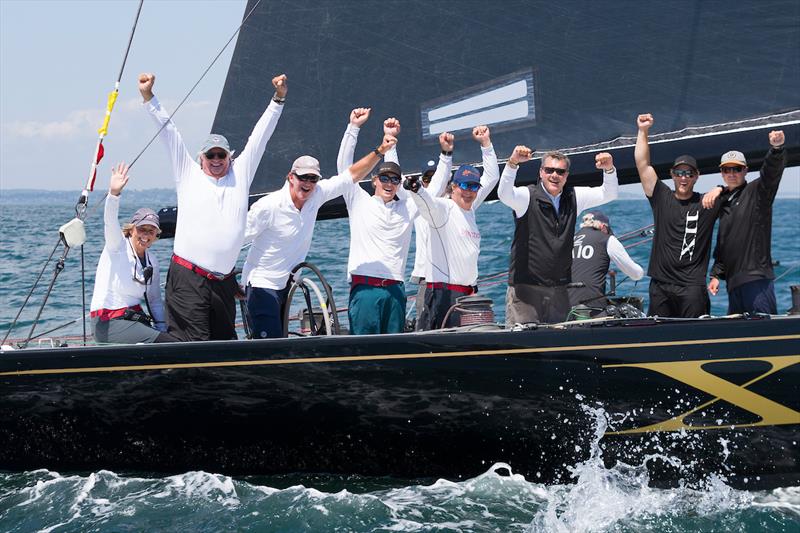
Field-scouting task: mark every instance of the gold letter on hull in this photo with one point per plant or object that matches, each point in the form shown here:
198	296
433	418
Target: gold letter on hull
691	373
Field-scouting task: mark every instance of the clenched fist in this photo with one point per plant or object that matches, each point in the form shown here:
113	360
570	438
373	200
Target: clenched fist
359	116
279	82
481	134
146	81
644	122
604	161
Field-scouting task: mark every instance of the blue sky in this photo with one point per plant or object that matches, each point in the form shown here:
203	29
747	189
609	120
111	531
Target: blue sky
59	60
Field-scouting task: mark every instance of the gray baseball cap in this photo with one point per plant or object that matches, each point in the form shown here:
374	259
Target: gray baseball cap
733	158
305	164
145	216
216	141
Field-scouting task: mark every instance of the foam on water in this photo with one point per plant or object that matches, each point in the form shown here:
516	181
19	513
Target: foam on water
597	499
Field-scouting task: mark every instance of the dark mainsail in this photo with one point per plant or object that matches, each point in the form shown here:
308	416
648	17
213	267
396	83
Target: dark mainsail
553	75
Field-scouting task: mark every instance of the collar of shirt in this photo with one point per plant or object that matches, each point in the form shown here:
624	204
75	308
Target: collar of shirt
390	204
555	199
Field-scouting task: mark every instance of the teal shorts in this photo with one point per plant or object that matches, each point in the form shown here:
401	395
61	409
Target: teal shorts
374	310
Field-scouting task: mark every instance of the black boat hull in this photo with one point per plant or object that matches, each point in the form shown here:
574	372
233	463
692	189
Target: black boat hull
419	405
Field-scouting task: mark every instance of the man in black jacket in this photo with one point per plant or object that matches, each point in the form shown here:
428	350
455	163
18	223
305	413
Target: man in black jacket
742	256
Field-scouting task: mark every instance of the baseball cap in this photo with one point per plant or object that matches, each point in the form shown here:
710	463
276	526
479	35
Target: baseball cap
305	164
389	168
594	218
686	160
467	174
216	141
145	216
733	158
429	166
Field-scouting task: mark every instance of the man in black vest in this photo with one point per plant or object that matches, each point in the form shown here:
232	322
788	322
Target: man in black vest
743	254
595	246
545	215
682	239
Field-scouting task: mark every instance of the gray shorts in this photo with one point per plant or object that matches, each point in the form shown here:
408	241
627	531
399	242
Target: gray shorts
536	304
122	331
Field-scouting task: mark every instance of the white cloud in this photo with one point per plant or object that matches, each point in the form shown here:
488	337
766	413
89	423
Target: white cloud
76	123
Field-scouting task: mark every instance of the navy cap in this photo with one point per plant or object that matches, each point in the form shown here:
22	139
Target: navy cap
467	174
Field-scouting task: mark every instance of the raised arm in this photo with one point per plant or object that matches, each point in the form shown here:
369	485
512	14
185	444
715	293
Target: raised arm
620	256
647	174
517	198
441	176
775	161
347	147
586	197
170	137
363	166
491	170
248	160
111	229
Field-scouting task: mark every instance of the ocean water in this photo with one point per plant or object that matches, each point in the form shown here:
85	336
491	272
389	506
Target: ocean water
598	499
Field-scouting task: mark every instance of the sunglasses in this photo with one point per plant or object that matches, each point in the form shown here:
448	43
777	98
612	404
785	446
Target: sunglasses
394	180
728	170
147	275
312	178
216	155
473	187
550	170
683	173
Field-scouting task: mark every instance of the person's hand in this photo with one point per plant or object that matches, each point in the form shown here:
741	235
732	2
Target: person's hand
146	81
520	154
389	142
644	122
359	116
446	141
776	138
481	134
604	161
279	82
412	183
119	178
710	198
391	126
713	286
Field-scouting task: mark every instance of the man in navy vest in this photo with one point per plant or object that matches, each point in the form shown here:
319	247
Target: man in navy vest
595	246
544	219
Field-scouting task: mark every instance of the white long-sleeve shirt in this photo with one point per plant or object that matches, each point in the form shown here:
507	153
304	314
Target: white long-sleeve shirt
282	234
518	198
380	232
212	213
618	254
114	286
454	241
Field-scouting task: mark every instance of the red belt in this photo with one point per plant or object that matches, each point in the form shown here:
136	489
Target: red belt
374	282
199	271
110	314
466	289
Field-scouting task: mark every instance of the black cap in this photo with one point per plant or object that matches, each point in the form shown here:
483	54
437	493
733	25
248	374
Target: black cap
686	160
389	168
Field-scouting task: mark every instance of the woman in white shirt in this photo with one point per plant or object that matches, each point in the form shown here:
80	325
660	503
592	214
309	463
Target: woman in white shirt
127	274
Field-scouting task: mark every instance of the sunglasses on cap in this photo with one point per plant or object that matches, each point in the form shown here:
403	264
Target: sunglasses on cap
733	168
473	187
216	155
394	180
683	173
550	170
311	178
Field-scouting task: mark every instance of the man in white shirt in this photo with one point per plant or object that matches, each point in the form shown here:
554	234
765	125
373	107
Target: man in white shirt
544	217
281	227
212	211
594	248
380	235
454	240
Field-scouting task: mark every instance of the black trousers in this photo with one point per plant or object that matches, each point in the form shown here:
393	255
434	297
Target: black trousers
437	303
679	301
200	309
